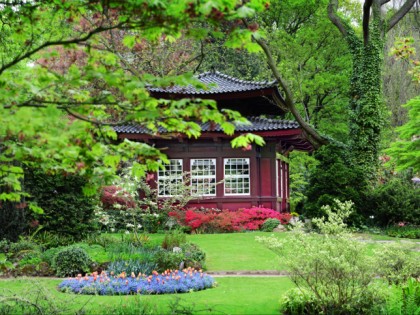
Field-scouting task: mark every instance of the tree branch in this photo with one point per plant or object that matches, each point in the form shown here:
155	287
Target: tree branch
313	135
400	14
382	2
365	21
57	42
334	18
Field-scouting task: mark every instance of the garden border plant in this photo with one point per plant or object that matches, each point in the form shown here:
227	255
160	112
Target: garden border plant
170	281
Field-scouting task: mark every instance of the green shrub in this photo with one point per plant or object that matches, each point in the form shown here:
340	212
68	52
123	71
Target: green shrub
406	231
67	210
168	260
269	225
398	200
4	245
49	239
173	239
49	254
335	178
336	216
396	262
71	261
33	258
194	257
336	272
21	249
299	301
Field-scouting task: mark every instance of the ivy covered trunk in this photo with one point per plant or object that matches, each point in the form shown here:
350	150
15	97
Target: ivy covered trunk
366	104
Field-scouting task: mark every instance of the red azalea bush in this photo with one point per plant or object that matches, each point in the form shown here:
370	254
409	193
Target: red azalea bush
214	220
114	195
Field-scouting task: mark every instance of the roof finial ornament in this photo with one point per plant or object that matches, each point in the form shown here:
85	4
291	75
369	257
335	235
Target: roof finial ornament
213	69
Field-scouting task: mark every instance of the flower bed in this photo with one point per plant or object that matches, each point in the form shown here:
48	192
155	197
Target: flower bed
214	220
169	281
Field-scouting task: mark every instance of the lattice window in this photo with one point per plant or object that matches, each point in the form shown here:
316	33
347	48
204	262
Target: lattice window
170	179
203	177
237	181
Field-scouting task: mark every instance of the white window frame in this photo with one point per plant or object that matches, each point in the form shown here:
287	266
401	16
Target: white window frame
229	178
198	178
168	175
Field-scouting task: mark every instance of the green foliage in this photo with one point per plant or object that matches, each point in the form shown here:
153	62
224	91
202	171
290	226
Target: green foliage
36	299
67	210
194	257
22	249
269	225
406	231
397	262
406	150
71	261
49	254
335	177
4	245
13	220
138	306
335	273
169	260
299	301
396	201
334	224
131	266
48	239
404	299
301	165
174	239
127	251
56	112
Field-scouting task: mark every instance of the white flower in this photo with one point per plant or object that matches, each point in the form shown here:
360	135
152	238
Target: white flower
139	226
127	232
117	206
112	230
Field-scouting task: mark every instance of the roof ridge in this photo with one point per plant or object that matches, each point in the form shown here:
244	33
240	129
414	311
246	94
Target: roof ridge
234	79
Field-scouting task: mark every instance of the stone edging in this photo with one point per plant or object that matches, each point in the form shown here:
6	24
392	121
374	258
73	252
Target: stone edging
249	273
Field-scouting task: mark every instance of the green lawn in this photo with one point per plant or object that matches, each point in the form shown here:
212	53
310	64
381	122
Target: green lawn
238	295
237	251
233	295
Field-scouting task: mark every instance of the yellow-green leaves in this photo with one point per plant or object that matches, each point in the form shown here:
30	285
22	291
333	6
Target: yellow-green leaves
243	141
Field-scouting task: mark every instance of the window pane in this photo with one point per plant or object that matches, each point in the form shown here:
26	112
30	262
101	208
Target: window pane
203	177
170	179
236	177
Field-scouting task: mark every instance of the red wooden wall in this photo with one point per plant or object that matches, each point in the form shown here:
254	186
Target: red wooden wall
268	176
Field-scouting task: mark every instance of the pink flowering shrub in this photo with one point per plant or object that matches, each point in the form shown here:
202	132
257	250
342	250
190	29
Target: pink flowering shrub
214	220
114	195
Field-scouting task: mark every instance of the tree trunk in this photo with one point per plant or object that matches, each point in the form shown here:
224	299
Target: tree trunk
366	104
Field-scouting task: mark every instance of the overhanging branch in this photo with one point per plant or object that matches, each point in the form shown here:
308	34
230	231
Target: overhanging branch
313	136
405	8
334	18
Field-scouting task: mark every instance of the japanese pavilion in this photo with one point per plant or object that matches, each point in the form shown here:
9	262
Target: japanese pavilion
223	177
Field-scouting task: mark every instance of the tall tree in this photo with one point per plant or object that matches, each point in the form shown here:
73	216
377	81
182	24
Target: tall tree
366	102
59	120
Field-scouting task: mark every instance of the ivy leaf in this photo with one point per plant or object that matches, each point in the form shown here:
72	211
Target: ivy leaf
34	208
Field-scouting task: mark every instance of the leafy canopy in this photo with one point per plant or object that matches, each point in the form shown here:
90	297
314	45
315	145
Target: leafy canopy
60	119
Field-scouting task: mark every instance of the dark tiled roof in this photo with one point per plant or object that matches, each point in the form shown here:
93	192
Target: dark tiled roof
258	124
219	83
